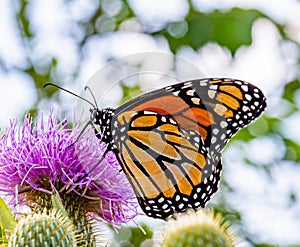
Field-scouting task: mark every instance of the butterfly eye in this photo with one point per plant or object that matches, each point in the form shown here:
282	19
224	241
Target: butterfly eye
93	115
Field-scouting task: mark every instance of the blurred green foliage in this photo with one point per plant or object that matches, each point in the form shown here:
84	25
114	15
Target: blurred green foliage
229	28
130	92
133	236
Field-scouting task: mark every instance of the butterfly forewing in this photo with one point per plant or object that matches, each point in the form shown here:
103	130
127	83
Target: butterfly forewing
215	108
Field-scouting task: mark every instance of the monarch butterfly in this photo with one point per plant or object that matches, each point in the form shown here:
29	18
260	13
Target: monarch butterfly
169	141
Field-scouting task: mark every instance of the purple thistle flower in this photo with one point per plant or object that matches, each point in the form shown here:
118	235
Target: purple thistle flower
40	158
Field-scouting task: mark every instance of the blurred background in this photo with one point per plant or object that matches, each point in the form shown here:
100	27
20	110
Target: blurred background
67	41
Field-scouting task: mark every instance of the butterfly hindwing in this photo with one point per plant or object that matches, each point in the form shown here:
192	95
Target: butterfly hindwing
168	167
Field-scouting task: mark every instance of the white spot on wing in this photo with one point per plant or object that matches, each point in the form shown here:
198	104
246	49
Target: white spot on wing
213	139
175	93
256	95
248	97
196	101
245	88
187	84
245	108
172	121
213	87
148	112
223	124
211	93
190	92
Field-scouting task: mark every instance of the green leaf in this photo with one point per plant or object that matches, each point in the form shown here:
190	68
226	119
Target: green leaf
137	236
292	150
41	78
6	219
290	89
258	128
242	135
273	124
130	92
23	19
57	204
133	236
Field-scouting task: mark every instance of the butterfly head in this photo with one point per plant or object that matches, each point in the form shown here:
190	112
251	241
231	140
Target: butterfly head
101	119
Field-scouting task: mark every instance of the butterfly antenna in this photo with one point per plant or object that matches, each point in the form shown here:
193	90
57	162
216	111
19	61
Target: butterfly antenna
76	95
88	88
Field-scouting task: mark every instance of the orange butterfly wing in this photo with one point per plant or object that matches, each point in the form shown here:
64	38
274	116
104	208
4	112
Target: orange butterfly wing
169	140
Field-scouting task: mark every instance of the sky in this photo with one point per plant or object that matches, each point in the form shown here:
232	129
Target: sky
267	62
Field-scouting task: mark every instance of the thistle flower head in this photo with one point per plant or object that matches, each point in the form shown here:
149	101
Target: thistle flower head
201	228
43	158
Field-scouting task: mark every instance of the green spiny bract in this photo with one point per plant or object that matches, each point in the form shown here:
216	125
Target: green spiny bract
42	229
76	208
